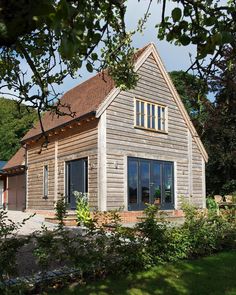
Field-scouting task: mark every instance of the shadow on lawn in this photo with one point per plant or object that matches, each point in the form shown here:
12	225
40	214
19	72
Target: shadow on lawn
211	275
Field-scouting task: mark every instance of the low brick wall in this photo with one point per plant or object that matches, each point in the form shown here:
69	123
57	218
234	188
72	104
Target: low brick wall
126	216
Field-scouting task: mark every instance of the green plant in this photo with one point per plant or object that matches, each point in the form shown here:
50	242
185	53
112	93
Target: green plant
211	204
207	231
82	208
61	211
10	243
46	248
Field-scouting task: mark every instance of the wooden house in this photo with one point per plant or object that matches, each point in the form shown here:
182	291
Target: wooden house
125	148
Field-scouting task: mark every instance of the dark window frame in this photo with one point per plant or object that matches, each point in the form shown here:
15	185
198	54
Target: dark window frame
163	205
68	175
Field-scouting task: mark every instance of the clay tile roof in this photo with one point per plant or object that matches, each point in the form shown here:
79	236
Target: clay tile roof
82	99
17	160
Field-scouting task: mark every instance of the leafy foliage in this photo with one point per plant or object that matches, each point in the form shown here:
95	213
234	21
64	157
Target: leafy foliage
210	25
10	243
42	42
193	92
82	208
220	135
15	121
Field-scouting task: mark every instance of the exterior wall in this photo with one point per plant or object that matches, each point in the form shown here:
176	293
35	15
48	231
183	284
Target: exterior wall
77	142
123	140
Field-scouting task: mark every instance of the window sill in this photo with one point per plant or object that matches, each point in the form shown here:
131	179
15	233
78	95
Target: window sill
150	129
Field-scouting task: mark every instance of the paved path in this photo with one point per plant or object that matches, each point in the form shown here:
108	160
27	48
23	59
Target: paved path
33	224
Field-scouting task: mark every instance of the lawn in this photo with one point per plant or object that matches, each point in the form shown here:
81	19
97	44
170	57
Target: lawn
214	275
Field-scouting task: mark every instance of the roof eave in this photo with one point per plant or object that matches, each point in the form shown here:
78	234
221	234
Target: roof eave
90	114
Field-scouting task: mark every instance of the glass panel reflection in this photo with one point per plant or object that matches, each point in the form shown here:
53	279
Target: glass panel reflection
156	183
133	181
145	181
168	176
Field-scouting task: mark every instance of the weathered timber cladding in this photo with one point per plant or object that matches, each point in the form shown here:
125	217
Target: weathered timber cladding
77	142
124	140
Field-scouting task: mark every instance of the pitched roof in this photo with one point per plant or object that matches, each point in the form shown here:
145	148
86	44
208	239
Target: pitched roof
82	99
17	160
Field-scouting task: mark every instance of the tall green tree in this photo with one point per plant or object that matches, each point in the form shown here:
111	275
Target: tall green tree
15	121
215	121
193	92
220	137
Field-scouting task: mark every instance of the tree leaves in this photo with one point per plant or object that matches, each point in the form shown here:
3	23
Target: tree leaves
14	123
176	14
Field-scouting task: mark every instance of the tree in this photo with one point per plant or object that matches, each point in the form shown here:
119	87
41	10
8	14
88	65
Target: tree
193	92
55	37
15	121
43	41
220	137
210	25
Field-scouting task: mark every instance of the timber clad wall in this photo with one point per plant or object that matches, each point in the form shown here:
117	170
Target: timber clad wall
109	144
78	142
124	140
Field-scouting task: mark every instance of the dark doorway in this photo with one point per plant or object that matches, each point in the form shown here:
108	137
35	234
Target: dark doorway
150	181
76	179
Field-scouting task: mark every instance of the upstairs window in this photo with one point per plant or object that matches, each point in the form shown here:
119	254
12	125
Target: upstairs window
150	116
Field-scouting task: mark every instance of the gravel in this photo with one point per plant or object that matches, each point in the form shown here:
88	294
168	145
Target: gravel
35	223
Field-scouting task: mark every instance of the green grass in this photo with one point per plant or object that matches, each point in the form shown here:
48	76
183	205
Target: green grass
214	275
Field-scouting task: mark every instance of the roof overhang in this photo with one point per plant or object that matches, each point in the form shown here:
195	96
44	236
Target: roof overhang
62	128
16	170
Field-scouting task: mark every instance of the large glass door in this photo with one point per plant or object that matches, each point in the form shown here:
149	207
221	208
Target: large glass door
150	182
76	179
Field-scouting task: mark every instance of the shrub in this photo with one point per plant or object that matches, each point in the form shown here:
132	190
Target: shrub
211	204
207	231
10	243
82	208
61	211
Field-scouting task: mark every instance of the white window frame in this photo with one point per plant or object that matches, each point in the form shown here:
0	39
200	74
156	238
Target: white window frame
156	106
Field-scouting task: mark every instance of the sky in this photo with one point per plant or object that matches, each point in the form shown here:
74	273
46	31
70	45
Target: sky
174	57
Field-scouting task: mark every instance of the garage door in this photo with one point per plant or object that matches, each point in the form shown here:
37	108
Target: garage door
16	192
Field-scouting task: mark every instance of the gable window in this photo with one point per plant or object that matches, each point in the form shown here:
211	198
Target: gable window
150	116
45	182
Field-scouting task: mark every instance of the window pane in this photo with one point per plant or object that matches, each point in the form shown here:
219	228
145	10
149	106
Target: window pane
137	113
148	115
156	182
142	107
133	181
45	182
142	114
145	181
168	181
153	117
159	118
163	119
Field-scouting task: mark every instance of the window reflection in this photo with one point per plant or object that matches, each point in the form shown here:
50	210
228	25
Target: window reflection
168	182
145	181
133	181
